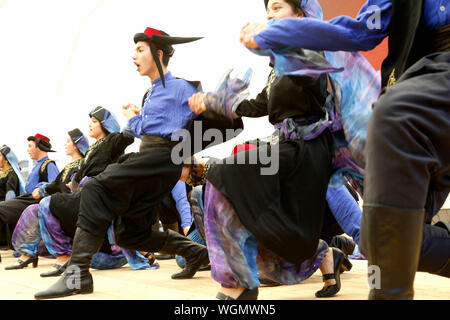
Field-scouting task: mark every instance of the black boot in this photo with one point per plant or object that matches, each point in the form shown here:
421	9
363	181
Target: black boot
196	255
391	240
173	227
77	278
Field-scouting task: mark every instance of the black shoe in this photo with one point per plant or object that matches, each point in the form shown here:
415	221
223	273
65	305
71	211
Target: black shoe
23	264
151	257
391	240
55	273
164	256
205	268
245	295
195	254
268	282
77	278
339	261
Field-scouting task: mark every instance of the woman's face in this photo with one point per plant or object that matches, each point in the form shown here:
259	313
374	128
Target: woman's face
71	148
95	129
279	9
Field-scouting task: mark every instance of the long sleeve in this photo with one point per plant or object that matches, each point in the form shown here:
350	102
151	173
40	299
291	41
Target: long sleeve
12	184
344	33
134	125
119	142
254	108
182	204
345	210
53	187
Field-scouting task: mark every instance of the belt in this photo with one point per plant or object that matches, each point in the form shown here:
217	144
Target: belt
441	39
150	142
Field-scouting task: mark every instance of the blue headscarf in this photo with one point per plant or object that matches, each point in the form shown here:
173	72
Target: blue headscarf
80	140
107	119
14	162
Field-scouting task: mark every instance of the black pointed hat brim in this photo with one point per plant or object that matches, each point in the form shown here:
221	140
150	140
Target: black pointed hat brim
164	43
164	40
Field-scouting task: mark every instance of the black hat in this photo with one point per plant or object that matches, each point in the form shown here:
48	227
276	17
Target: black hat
42	142
79	140
158	39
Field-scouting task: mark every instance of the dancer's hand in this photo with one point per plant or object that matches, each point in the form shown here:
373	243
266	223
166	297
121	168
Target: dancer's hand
197	102
248	32
186	230
36	195
130	111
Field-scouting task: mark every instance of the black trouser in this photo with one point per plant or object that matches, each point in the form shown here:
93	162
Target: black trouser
408	149
130	194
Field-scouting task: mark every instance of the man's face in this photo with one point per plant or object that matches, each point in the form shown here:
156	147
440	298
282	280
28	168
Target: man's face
33	151
143	59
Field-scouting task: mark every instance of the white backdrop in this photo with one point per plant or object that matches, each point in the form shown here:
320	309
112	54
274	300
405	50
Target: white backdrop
61	58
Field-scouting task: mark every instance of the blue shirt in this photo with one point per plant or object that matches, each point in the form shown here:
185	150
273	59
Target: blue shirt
165	110
33	177
343	32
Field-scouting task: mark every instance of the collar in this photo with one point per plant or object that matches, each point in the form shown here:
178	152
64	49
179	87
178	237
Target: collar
43	159
168	76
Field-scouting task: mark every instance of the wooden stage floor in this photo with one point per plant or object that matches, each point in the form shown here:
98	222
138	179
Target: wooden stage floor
126	284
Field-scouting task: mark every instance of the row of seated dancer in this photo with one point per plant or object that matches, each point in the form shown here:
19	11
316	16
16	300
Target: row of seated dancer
44	211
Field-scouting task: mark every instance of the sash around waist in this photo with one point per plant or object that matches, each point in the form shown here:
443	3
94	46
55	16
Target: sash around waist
441	39
150	142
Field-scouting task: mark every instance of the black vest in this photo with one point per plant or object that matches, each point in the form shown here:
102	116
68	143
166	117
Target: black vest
408	40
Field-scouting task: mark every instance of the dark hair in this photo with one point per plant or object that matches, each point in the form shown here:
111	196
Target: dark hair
295	5
166	57
167	53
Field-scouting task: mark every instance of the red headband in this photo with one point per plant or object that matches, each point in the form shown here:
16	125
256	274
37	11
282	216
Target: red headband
40	136
150	32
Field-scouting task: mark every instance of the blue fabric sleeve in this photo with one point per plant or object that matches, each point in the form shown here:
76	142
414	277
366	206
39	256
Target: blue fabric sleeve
128	131
52	172
135	125
182	204
345	210
342	33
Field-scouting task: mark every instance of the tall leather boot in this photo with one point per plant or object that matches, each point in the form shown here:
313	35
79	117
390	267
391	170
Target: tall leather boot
196	255
77	278
170	226
391	239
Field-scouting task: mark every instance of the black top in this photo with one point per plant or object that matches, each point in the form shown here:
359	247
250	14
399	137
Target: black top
63	178
102	153
8	182
285	207
289	97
